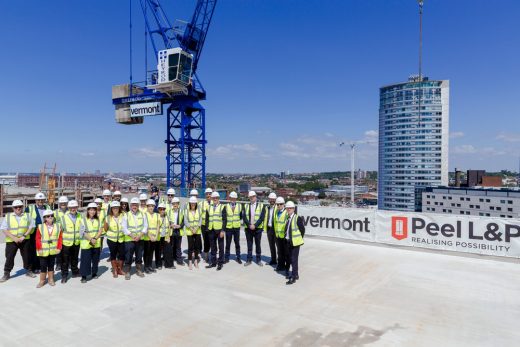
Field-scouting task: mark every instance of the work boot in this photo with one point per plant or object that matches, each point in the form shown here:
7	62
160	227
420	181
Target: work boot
291	281
139	270
30	274
239	260
119	264
127	272
83	279
247	263
40	284
181	263
115	268
6	277
219	267
210	266
64	278
50	278
147	270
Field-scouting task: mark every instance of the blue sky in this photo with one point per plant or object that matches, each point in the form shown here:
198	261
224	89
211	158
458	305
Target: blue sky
287	81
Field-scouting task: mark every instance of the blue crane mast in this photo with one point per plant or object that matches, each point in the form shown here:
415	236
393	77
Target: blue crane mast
174	85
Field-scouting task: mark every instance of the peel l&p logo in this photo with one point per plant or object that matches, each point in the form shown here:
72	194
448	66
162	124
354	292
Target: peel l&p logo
399	228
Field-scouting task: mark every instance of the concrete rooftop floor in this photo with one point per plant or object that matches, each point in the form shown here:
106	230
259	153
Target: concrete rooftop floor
348	295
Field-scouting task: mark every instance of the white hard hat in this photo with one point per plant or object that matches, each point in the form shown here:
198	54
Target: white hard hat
47	213
134	201
252	193
215	195
98	201
162	205
92	205
39	196
175	199
194	192
117	192
106	192
143	197
63	200
72	203
115	204
170	191
289	204
272	196
193	200
233	195
208	190
124	200
150	202
280	200
17	203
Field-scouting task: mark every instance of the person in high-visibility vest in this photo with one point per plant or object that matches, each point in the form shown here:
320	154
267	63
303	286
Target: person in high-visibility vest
176	218
58	215
165	233
170	194
113	227
151	238
49	237
206	237
254	214
107	196
135	228
35	212
215	221
116	196
269	227
142	203
17	227
124	206
71	223
192	228
102	215
279	220
293	235
90	244
234	221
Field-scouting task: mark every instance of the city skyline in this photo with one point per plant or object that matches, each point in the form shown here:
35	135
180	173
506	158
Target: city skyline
305	117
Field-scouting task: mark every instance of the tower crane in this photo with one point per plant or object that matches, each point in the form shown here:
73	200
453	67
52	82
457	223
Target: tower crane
175	86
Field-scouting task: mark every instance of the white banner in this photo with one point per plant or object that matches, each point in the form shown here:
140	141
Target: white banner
146	109
491	236
352	224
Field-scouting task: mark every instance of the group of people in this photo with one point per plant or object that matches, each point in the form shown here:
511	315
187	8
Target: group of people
141	230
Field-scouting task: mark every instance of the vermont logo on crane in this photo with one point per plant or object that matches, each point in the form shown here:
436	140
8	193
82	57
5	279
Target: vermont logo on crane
399	228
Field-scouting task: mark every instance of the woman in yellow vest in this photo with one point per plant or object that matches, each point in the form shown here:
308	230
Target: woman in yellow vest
151	239
192	227
115	238
90	234
165	233
48	245
71	224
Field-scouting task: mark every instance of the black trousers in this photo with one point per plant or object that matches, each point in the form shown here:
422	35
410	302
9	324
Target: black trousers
134	248
283	261
117	250
207	238
194	246
176	241
89	261
256	236
10	253
34	262
167	252
47	263
271	237
151	249
232	234
293	255
215	240
70	255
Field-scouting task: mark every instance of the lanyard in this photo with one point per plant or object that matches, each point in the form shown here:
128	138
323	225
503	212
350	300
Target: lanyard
50	231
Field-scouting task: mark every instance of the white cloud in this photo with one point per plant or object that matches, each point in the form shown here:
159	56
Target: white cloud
371	134
482	152
87	154
329	135
464	149
508	137
148	152
456	135
233	151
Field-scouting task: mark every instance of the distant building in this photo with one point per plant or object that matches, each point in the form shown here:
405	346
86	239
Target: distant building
504	203
413	140
8	180
244	188
63	181
477	178
285	192
282	175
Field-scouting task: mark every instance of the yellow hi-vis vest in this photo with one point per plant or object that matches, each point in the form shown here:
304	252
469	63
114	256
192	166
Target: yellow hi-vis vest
32	213
193	219
115	229
49	242
164	226
91	228
135	224
297	238
233	216
180	218
215	217
279	223
71	230
153	225
102	215
203	207
59	214
17	228
258	212
105	206
266	216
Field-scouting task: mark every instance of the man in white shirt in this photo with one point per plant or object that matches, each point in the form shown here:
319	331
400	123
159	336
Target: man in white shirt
134	227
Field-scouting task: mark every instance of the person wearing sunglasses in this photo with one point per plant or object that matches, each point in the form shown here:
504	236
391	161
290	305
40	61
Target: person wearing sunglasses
49	238
17	227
